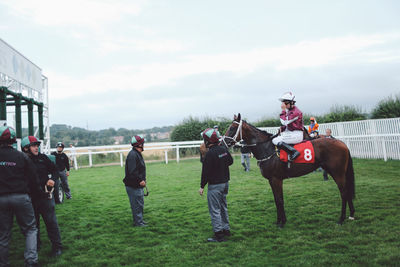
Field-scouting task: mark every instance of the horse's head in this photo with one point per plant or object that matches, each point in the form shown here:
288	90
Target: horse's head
240	130
232	135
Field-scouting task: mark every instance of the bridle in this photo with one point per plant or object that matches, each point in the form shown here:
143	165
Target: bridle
238	133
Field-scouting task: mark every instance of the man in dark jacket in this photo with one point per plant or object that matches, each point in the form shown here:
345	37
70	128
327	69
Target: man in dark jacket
245	157
62	163
44	205
135	180
17	179
215	173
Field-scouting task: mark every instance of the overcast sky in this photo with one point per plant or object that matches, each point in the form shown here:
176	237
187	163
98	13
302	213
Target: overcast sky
139	64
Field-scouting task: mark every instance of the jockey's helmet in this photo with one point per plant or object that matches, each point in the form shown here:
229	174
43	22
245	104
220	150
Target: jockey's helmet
312	119
137	141
7	135
211	135
29	141
60	144
288	96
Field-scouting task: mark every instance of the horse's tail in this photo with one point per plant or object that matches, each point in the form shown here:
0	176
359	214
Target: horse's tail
350	185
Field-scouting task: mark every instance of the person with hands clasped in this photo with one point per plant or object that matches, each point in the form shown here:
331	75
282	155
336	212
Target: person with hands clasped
62	164
44	205
291	131
215	173
135	180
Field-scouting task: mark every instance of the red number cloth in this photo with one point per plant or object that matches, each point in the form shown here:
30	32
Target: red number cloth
306	150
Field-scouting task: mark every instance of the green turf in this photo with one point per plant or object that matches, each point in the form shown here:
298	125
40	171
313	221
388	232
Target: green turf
96	225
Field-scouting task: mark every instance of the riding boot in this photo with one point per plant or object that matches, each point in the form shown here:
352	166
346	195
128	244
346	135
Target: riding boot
293	153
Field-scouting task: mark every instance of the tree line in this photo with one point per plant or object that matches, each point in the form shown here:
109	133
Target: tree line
83	137
191	127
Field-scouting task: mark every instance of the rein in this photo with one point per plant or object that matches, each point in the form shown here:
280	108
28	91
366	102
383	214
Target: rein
269	157
49	193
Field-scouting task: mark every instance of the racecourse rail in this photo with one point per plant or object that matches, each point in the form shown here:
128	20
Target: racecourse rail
368	139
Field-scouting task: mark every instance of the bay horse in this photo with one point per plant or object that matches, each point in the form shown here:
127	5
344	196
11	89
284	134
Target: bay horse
330	154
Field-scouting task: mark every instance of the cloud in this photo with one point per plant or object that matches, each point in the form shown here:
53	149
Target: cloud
83	13
106	26
328	51
121	44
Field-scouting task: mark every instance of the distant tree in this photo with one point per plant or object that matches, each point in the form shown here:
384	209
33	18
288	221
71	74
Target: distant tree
148	137
190	128
343	113
268	122
387	108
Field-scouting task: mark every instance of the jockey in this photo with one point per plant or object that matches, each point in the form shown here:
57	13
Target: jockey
292	126
313	127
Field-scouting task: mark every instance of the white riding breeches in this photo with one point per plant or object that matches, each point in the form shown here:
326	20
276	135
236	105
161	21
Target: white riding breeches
289	137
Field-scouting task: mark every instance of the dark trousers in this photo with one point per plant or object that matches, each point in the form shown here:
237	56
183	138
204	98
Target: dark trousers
325	175
19	205
136	199
217	206
46	208
64	183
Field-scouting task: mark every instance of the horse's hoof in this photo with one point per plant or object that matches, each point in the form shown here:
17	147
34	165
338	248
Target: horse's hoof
351	218
340	222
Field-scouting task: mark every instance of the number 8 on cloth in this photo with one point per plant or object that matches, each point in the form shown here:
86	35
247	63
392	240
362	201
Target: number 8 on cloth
306	150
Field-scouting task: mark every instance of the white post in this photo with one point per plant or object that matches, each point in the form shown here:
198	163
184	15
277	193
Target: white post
384	149
177	153
19	144
121	159
75	163
166	156
90	158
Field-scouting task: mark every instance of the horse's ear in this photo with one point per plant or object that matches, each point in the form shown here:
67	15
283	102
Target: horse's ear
239	117
234	117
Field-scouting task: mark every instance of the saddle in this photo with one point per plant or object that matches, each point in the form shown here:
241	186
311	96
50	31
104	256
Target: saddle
306	150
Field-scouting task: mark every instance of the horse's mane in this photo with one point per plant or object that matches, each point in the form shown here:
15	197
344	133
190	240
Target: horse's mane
265	133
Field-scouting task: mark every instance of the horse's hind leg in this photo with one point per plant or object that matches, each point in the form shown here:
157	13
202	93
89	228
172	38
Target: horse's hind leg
351	207
340	183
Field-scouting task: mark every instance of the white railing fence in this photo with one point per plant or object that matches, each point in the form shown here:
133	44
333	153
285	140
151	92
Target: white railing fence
73	153
369	139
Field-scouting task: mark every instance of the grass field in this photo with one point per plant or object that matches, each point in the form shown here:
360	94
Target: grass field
96	225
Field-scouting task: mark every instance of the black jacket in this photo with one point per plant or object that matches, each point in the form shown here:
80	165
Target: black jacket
245	150
17	173
62	161
216	166
135	169
45	170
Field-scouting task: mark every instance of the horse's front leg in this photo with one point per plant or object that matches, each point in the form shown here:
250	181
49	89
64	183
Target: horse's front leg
276	186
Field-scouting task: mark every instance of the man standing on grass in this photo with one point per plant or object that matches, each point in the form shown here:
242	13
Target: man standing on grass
135	180
44	205
215	172
62	164
18	179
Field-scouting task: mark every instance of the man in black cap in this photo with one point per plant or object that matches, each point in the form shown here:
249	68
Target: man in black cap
215	173
135	180
17	179
62	163
44	205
